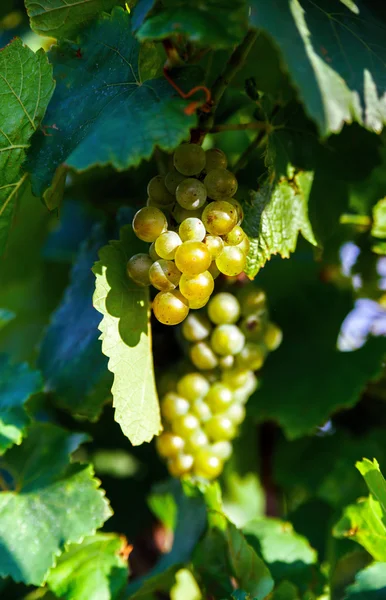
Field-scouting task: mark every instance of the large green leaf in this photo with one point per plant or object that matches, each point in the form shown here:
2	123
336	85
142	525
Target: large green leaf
92	569
336	58
375	481
26	86
100	85
46	502
370	584
17	384
126	340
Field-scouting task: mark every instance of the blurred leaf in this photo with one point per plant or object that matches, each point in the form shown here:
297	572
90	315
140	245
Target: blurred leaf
370	584
375	481
186	587
5	317
285	591
53	196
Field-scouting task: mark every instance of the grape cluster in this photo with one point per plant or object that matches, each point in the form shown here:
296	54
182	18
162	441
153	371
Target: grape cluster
227	343
193	224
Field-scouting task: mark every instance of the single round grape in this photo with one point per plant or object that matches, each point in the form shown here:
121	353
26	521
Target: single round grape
158	192
169	445
252	327
219	217
202	356
192	229
236	413
215	159
148	223
226	362
214	244
172	180
244	245
180	214
252	300
167	243
164	275
252	356
220	428
235	236
138	267
173	406
220	184
273	336
193	386
236	378
185	425
242	394
152	253
197	440
239	209
219	398
197	287
224	308
213	270
170	308
196	327
227	339
191	194
196	304
231	261
222	450
180	465
206	464
201	410
192	258
189	159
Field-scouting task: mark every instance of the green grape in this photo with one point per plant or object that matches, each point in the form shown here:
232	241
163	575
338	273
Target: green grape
236	413
226	362
215	159
201	410
252	327
172	180
148	223
189	159
273	336
170	308
157	191
220	184
252	300
231	261
196	327
180	465
180	214
224	308
192	258
164	275
167	243
206	464
222	450
193	386
198	439
152	252
213	270
219	398
169	445
138	269
197	287
242	393
220	428
252	356
202	356
191	194
244	245
235	237
227	339
236	378
197	304
239	209
214	244
219	217
192	229
185	425
173	406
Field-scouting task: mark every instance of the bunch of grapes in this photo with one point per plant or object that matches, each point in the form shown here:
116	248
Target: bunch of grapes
193	224
228	342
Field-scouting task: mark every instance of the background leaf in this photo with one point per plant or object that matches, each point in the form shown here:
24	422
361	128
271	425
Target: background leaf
370	584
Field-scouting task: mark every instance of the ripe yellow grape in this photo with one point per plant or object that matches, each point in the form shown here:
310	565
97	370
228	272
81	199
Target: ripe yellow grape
215	245
180	465
191	194
170	308
232	261
252	356
192	229
148	223
226	362
198	439
189	159
166	244
197	287
252	300
219	217
201	410
222	450
196	327
215	159
193	386
273	336
206	464
138	267
227	339
235	237
219	398
220	428
220	184
236	413
172	180
236	378
202	356
164	275
158	192
169	445
185	425
196	304
239	209
224	308
244	245
192	258
173	406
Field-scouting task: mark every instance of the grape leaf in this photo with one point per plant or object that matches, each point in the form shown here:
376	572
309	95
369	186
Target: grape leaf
92	569
285	591
99	83
60	19
17	384
126	341
375	480
336	58
47	502
370	584
26	86
70	358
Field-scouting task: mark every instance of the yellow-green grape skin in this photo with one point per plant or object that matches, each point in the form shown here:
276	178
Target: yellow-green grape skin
252	300
196	327
226	362
201	410
197	440
231	261
202	356
219	217
219	398
158	192
223	450
235	236
236	378
220	184
193	386
148	223
197	287
164	275
172	180
236	413
192	258
252	356
189	159
152	253
180	214
192	229
220	428
170	308
206	464
227	339
191	194
138	267
166	244
244	245
215	159
214	244
224	308
197	304
252	327
273	337
180	465
173	406
213	270
250	385
169	445
239	209
184	426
